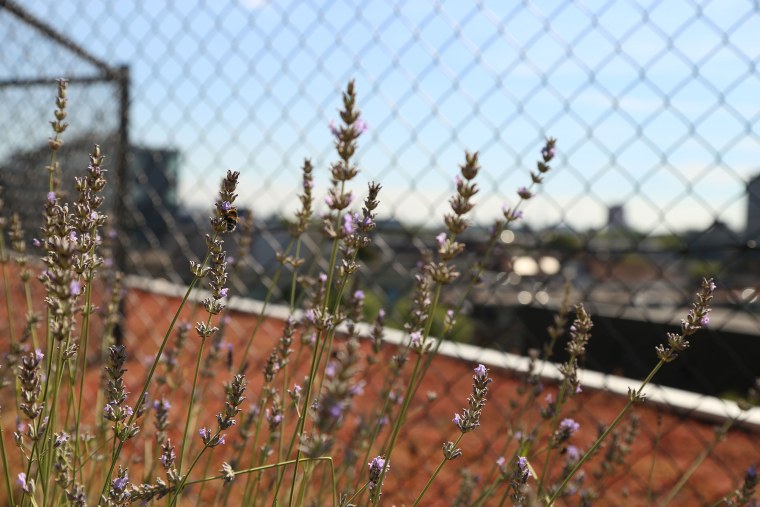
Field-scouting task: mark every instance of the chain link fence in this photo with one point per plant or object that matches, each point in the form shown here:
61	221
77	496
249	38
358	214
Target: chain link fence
654	105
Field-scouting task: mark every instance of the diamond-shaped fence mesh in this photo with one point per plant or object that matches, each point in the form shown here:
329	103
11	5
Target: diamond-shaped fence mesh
654	105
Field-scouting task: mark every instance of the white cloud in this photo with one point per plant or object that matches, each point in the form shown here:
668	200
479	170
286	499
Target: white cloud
253	4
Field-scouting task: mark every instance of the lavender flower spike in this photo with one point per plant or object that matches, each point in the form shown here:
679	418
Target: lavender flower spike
375	473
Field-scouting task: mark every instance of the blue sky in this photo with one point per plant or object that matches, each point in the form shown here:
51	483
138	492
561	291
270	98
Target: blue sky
654	103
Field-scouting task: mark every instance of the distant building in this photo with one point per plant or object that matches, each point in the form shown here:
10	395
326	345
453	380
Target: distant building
154	202
616	217
752	229
153	180
713	243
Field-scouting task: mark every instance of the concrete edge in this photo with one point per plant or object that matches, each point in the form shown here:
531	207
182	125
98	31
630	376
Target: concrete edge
697	405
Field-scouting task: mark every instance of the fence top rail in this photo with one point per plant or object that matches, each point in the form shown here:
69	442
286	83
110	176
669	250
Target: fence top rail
50	32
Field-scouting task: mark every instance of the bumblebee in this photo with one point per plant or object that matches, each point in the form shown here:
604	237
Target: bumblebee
230	218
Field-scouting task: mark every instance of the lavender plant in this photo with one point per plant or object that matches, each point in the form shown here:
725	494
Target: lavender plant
311	435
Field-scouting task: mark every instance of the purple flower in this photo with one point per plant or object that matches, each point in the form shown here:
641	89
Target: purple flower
572	453
61	439
51	197
39	355
481	371
376	467
457	420
500	461
511	214
569	425
416	338
524	193
36	242
522	465
323	277
361	126
357	389
333	129
223	293
359	294
120	483
25	485
329	200
162	404
441	239
704	321
226	205
348	224
204	433
377	464
167	458
335	411
75	287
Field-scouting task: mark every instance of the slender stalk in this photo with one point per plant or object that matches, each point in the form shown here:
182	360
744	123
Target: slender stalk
259	321
590	452
7	290
191	401
262	468
654	460
435	474
153	370
86	337
30	311
7	469
399	419
315	356
719	434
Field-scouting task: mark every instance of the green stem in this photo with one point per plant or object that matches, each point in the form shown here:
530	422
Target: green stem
314	358
86	335
590	452
191	401
435	474
259	321
153	370
561	398
30	311
399	419
697	462
654	460
7	289
5	465
261	469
